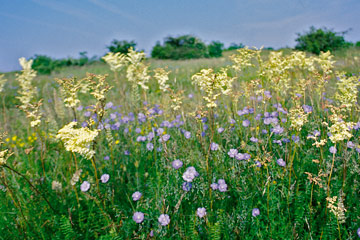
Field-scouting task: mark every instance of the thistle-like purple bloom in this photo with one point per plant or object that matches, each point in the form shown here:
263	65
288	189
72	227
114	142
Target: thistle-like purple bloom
138	217
177	164
85	186
281	162
105	178
201	212
136	196
164	219
333	149
255	212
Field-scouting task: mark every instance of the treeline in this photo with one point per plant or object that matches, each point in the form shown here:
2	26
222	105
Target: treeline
189	47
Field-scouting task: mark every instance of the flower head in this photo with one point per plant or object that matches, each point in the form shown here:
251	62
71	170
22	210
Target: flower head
85	186
164	219
105	178
136	196
281	162
177	164
201	212
138	217
255	212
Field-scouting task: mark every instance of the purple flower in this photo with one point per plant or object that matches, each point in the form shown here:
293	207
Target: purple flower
316	133
201	212
223	187
350	144
239	156
186	186
188	176
141	139
149	146
138	130
87	114
106	158
358	232
246	123
214	146
85	186
295	138
220	129
214	186
127	152
136	196
190	95
232	152
138	217
281	162
109	105
333	149
187	135
246	156
255	212
258	164
267	94
164	219
105	178
253	139
264	131
307	108
221	181
79	108
177	164
277	129
164	138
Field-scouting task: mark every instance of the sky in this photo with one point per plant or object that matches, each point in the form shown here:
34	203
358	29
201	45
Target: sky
63	28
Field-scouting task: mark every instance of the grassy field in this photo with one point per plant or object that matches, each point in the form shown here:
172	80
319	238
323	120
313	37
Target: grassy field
266	149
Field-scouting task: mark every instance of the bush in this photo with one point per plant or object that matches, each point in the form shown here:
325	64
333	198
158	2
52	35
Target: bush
121	46
215	49
321	40
183	47
234	46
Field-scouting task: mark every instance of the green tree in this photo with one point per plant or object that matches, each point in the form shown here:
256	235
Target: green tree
215	49
121	46
320	40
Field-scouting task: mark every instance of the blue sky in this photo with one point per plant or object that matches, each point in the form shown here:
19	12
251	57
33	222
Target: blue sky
62	28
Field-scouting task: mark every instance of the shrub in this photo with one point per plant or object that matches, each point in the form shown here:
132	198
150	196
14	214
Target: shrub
215	49
321	40
121	46
183	47
234	46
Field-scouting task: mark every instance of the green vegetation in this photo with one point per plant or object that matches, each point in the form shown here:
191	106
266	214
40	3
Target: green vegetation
321	40
121	46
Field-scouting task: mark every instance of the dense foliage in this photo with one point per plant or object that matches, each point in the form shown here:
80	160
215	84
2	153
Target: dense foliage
263	145
123	46
321	40
45	65
186	47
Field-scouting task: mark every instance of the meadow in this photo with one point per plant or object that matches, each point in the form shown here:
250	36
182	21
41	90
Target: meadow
257	144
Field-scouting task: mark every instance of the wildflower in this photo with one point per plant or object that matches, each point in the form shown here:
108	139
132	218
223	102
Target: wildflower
295	138
307	109
75	178
223	187
333	149
164	138
78	140
116	61
164	219
214	146
105	178
149	146
162	77
177	164
186	186
246	123
277	129
214	186
281	162
187	135
56	186
220	129
255	212
298	117
358	232
350	144
253	139
136	196
138	217
201	212
258	164
106	158
239	156
232	153
85	186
